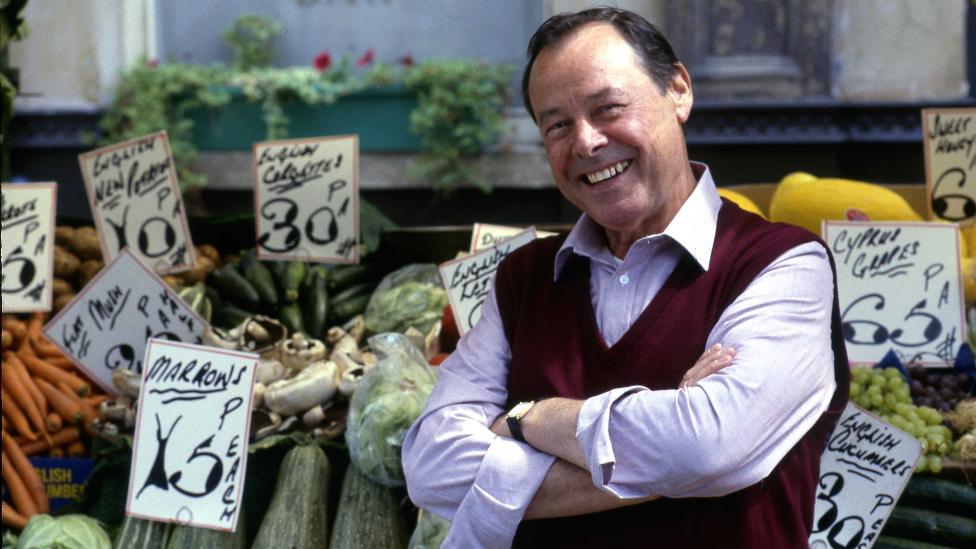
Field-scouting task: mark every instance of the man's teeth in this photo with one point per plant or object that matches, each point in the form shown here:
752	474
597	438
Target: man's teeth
608	173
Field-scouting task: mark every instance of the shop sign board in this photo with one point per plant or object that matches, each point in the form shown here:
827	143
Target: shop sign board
900	290
485	235
189	454
27	246
468	279
306	199
863	471
136	202
950	163
105	327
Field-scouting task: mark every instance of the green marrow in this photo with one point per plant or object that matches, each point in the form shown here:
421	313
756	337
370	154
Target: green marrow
368	515
931	527
137	533
936	494
190	537
891	542
298	513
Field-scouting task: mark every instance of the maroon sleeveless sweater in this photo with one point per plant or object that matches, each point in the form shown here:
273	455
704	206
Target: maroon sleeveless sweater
557	350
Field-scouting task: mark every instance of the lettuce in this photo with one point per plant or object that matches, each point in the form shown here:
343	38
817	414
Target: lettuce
65	532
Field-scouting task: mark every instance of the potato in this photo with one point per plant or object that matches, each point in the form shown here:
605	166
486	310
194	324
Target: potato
87	271
85	243
65	262
63	235
60	286
62	300
210	252
204	266
173	281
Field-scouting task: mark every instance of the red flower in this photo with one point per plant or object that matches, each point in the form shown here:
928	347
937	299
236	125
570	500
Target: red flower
322	61
407	60
366	59
152	63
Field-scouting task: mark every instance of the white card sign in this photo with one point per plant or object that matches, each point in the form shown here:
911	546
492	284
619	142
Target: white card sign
468	279
950	163
306	199
106	326
484	235
136	202
189	453
863	470
899	289
27	246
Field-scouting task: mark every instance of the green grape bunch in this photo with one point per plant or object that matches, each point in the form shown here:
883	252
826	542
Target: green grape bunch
886	393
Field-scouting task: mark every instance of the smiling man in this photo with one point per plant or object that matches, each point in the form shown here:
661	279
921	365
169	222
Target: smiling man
667	373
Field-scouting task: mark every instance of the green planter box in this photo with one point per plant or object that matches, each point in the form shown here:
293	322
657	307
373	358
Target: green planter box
380	117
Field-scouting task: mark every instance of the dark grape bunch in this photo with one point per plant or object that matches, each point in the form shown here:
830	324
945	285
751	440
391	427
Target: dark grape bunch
939	390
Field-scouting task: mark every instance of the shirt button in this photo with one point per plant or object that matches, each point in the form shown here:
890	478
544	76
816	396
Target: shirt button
624	280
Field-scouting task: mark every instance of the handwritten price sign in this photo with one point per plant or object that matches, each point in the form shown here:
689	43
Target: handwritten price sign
106	326
484	235
136	202
863	470
950	163
899	288
306	199
468	280
27	246
190	447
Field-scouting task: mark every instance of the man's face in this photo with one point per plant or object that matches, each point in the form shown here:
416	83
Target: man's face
613	139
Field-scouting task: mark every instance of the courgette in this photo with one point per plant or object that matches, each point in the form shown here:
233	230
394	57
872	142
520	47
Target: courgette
368	515
190	537
316	304
230	316
236	288
931	526
353	291
291	280
137	533
291	316
891	542
938	494
258	274
347	275
349	308
298	514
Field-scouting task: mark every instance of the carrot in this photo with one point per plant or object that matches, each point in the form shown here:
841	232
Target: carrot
64	436
21	395
41	369
62	362
89	412
77	449
12	518
25	469
54	422
24	378
56	452
45	349
16	327
65	407
7	339
35	323
96	400
16	416
18	491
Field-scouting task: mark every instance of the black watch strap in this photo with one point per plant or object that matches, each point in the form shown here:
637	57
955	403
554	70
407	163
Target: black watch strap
515	428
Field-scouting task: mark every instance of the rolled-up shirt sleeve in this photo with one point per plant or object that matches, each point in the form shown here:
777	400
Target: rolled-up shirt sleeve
731	429
454	465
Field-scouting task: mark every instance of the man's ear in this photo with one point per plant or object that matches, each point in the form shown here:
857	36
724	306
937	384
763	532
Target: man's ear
681	94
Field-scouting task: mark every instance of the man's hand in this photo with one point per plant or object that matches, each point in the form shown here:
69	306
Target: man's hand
712	360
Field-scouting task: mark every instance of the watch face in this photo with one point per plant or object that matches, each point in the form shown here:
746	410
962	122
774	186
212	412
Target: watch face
520	409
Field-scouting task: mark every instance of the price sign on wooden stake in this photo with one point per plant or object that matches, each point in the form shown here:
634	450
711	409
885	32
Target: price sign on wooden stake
950	163
27	247
863	470
468	280
306	199
899	289
136	203
189	454
106	326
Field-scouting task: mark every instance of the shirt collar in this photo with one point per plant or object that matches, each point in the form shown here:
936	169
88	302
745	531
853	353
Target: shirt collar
693	227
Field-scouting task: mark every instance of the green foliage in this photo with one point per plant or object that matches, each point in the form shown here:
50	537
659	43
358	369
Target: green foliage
251	37
12	25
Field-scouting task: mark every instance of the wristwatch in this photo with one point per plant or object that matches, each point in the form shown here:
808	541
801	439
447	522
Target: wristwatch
515	415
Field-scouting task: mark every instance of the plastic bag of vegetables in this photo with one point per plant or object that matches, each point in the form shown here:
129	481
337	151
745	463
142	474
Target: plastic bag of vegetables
65	532
412	295
430	531
389	398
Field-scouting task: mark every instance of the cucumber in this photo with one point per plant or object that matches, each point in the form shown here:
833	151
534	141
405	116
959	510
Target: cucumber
298	514
291	280
890	542
229	316
189	537
349	308
937	494
347	275
291	316
137	533
368	515
236	288
316	304
258	274
931	526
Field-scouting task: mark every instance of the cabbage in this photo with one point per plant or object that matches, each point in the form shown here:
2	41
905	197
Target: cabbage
387	401
430	532
411	296
66	532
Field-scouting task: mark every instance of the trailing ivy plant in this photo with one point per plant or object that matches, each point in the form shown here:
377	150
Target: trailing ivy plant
459	111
